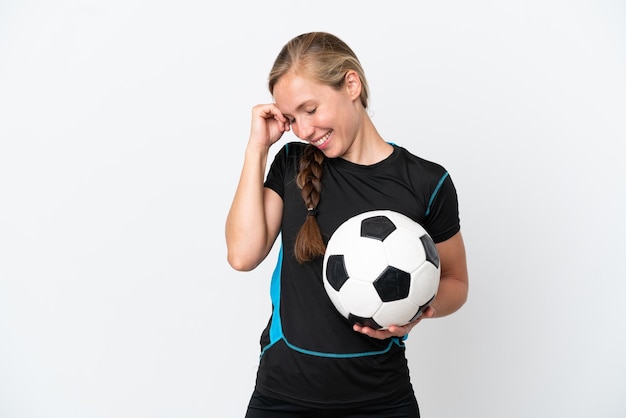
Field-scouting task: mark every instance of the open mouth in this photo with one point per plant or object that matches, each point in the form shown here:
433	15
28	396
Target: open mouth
322	140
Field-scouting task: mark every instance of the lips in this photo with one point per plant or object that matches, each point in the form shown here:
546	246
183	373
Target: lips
320	142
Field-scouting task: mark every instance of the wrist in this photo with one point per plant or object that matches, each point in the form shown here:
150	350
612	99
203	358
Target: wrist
254	148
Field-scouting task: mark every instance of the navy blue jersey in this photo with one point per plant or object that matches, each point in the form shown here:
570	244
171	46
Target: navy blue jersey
310	354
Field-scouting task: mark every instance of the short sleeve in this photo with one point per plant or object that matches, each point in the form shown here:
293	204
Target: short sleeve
442	214
283	168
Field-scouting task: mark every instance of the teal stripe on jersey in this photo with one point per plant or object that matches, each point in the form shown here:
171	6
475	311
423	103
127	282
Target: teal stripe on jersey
276	329
432	197
393	340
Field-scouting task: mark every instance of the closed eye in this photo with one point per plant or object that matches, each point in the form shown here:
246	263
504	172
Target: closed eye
292	120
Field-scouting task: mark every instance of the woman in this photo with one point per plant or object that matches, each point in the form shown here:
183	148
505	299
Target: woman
313	362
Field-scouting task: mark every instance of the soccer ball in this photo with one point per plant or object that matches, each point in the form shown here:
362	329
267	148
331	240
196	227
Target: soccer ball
381	268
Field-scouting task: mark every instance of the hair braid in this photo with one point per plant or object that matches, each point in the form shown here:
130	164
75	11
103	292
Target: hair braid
309	243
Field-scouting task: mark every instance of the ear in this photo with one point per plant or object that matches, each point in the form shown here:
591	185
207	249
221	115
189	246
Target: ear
353	84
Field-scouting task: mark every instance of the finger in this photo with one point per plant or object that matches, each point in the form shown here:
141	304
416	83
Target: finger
397	331
272	112
364	330
268	111
284	123
280	117
373	333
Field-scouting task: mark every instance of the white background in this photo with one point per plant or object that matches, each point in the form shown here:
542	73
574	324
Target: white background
122	129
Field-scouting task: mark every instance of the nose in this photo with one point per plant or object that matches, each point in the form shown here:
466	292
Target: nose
303	130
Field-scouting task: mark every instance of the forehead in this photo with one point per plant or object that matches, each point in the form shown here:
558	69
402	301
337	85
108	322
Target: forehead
293	91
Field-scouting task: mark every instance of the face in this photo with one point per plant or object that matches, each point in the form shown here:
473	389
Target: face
329	119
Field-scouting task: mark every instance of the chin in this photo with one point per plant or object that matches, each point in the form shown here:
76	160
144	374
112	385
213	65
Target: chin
329	153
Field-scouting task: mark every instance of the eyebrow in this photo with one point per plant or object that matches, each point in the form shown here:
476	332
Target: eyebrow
305	104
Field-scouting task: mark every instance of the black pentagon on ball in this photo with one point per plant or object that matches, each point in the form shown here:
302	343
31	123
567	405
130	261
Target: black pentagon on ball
393	284
377	227
336	272
431	251
364	322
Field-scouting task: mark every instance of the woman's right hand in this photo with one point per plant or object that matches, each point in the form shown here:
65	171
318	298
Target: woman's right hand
268	125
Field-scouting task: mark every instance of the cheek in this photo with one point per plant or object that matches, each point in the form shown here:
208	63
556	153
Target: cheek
329	120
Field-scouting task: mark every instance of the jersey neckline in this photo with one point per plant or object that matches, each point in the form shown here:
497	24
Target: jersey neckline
361	168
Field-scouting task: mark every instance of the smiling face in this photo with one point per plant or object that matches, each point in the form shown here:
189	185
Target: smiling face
330	119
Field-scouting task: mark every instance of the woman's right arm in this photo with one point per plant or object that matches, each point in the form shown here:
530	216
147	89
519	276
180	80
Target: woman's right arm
254	219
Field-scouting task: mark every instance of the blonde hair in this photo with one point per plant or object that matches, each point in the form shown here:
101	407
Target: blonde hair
326	59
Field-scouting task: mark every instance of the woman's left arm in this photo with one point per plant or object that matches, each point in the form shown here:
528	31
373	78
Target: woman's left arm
453	284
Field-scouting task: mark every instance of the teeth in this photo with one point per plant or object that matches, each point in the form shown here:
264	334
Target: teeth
322	140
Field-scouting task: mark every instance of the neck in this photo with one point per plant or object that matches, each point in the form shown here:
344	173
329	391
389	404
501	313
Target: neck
369	147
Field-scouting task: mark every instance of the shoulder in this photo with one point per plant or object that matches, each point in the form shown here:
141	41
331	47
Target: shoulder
293	148
289	154
420	164
284	166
